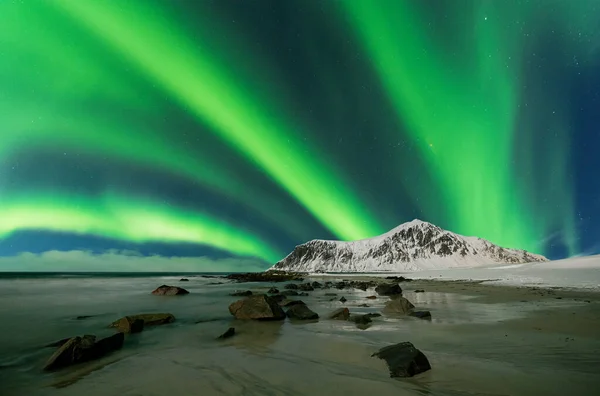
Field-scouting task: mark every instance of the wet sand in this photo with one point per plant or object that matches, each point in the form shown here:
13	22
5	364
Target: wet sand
482	339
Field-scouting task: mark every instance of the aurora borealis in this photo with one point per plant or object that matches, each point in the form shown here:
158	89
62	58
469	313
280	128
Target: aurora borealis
241	129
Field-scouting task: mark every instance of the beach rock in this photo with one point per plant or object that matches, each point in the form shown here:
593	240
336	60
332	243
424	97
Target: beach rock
229	333
267	276
364	305
184	280
398	305
330	294
82	317
279	298
153	319
259	307
419	291
60	343
340	314
289	293
316	285
301	312
215	283
360	319
388	289
341	285
421	314
343	299
403	359
273	290
306	287
291	286
398	278
83	349
166	290
130	324
241	293
327	285
373	315
289	303
371	297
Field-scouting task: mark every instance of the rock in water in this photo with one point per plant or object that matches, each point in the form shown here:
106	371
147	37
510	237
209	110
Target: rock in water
419	291
166	290
399	305
343	299
129	324
184	280
241	293
403	360
149	320
340	314
83	349
229	333
316	285
388	289
421	314
371	297
260	307
306	287
289	293
273	290
361	319
289	303
301	312
291	286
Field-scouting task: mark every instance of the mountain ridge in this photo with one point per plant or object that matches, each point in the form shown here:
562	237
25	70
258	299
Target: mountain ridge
411	246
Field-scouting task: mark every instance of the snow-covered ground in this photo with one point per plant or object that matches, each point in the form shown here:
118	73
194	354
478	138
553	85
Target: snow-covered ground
579	273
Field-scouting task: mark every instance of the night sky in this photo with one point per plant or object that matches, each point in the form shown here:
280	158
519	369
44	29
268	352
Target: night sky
226	129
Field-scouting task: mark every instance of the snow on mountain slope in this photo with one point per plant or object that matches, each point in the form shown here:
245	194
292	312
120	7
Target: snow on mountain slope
412	246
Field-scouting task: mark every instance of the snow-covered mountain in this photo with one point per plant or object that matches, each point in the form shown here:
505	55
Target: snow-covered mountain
412	246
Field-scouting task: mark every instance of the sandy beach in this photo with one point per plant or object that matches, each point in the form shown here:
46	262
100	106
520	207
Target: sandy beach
481	339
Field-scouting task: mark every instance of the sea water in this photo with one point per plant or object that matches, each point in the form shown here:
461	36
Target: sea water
469	349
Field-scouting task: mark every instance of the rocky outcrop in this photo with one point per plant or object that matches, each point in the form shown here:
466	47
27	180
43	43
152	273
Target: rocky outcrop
403	360
388	289
83	349
129	324
411	246
421	314
166	290
398	305
268	276
340	314
258	307
152	319
301	312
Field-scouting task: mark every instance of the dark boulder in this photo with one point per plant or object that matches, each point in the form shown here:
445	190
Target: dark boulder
364	305
388	289
371	297
306	287
129	324
340	314
166	290
399	305
419	291
124	324
403	360
373	315
360	319
273	290
289	303
241	293
82	317
343	299
330	294
184	280
259	307
301	312
421	314
341	285
83	349
316	285
279	298
229	333
291	286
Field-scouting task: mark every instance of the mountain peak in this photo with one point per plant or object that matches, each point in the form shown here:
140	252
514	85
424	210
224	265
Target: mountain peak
411	246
